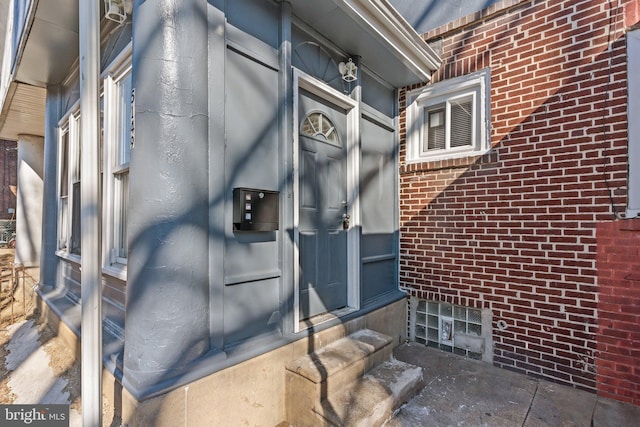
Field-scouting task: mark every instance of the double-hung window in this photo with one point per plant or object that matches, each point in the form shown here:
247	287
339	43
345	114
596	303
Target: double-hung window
449	119
69	174
117	143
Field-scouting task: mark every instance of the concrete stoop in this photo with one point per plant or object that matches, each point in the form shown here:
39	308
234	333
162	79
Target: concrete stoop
350	382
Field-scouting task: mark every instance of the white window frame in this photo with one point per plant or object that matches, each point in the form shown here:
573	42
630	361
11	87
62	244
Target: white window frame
116	135
421	100
633	110
68	125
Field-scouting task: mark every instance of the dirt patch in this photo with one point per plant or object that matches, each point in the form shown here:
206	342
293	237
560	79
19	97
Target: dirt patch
16	305
6	396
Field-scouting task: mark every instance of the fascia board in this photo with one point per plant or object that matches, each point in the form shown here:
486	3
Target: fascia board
393	30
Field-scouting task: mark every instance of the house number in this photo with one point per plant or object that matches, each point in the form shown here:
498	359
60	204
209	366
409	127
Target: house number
132	123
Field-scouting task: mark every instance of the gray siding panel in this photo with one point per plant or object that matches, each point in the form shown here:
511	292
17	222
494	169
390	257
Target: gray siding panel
251	261
378	278
249	309
377	94
114	300
258	18
114	297
70	278
378	196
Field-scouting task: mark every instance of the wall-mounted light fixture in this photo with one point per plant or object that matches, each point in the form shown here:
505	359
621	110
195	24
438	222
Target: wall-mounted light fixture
117	10
349	71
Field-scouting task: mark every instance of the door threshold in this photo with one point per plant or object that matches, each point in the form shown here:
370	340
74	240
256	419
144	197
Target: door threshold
319	319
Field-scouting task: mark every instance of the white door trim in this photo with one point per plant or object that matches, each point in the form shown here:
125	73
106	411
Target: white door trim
304	81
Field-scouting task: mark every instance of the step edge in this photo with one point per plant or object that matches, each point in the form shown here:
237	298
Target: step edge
384	409
300	365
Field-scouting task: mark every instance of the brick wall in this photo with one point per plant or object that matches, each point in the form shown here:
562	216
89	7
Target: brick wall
8	177
618	356
515	230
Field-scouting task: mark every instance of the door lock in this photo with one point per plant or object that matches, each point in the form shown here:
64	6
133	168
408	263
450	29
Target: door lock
345	221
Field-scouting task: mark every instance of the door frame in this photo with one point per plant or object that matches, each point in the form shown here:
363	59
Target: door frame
304	81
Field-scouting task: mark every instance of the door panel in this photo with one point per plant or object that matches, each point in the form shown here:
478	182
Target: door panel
322	184
308	170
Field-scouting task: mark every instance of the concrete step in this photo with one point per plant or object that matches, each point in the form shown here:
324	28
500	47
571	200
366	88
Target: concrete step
312	378
371	400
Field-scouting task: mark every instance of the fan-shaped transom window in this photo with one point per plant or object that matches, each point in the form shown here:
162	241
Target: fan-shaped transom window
318	125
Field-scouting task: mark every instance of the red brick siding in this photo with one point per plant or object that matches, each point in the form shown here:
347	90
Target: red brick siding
618	263
515	230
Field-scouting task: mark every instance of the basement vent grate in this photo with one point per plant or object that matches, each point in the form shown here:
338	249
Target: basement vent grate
461	330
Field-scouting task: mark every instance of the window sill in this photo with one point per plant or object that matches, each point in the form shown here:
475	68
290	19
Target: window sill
632	213
463	161
69	257
118	271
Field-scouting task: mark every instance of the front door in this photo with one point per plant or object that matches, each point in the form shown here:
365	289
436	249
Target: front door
323	205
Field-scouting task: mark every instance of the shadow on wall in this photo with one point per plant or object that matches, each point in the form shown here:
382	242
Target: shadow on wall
186	357
514	231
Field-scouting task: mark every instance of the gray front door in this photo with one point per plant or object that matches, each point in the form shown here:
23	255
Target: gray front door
323	204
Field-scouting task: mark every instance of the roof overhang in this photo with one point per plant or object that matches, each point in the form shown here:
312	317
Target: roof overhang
23	111
47	46
43	51
374	30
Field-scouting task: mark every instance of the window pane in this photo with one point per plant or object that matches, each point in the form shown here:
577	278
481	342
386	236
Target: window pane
63	223
64	165
462	122
101	147
76	155
435	132
75	220
124	119
318	125
123	183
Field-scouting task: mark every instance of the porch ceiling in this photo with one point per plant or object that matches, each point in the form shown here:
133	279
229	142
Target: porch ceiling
376	32
51	44
45	50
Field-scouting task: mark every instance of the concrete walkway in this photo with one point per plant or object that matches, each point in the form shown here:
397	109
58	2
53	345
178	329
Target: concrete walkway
31	378
458	392
463	392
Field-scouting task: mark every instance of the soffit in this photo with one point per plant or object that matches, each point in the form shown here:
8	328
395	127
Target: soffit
46	50
24	112
376	32
51	43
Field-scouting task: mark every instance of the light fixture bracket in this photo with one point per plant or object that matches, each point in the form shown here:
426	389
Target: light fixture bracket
117	10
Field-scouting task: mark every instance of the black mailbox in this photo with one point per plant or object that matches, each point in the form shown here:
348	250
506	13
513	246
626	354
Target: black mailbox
255	210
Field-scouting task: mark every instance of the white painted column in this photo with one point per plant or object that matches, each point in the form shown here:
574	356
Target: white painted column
91	338
29	200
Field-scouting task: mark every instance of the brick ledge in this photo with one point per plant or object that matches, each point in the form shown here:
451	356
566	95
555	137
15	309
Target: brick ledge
462	162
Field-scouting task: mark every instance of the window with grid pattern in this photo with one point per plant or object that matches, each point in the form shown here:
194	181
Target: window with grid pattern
69	184
117	151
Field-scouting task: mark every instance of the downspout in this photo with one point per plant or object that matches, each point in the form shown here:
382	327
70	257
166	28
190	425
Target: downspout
91	327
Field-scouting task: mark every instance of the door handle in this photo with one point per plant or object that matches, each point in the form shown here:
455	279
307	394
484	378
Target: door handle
345	221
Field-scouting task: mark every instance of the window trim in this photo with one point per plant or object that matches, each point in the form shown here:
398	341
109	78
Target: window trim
112	263
420	100
68	125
